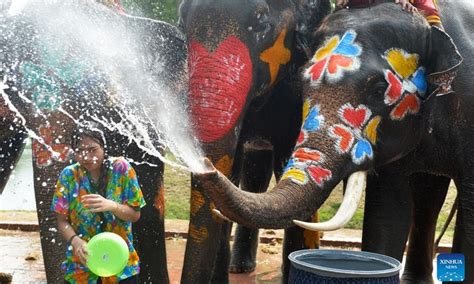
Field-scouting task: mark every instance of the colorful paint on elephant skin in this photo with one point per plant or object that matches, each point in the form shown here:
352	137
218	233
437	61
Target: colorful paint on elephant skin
159	201
344	136
198	235
371	129
56	70
351	136
197	201
302	137
405	84
306	162
312	120
276	56
224	165
45	157
218	86
45	90
336	56
307	155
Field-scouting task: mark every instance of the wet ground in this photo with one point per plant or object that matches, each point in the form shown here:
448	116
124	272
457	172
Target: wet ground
21	256
20	251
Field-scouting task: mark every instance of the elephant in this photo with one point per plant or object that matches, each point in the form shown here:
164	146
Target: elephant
45	98
243	62
383	92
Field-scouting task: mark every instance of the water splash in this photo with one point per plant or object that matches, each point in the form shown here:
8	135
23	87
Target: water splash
78	41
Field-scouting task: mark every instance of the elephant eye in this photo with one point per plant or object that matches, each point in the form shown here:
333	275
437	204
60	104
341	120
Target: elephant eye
381	89
378	89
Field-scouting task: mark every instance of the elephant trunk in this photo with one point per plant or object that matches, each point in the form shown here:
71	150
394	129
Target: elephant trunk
276	208
280	206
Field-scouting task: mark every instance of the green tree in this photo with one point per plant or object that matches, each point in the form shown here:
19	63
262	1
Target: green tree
164	10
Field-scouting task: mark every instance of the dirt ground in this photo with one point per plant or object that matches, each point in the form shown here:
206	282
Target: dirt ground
22	258
21	251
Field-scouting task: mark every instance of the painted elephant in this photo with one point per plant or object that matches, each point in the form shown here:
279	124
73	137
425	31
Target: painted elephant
48	88
243	59
377	96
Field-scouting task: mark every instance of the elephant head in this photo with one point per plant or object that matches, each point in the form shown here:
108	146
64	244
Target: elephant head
52	78
241	57
365	94
236	54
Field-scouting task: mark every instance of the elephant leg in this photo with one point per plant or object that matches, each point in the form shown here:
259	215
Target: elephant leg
221	267
204	239
56	129
293	241
256	175
11	148
387	214
149	231
463	241
429	193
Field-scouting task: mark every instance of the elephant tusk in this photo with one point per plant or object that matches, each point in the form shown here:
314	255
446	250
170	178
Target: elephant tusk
220	215
355	185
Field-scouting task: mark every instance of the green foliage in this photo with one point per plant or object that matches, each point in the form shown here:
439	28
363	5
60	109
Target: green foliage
177	191
329	210
164	10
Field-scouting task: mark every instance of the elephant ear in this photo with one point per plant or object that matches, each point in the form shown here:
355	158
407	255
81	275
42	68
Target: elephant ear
309	15
165	51
444	61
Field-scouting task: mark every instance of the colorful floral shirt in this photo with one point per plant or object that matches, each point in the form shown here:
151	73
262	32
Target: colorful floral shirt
121	186
429	8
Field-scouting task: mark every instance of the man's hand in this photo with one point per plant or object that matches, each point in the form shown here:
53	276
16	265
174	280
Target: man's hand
341	3
406	5
98	203
79	249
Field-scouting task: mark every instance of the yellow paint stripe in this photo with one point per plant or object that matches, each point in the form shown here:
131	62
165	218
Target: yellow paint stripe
224	165
296	176
403	63
327	49
434	21
198	235
306	106
197	201
371	129
433	18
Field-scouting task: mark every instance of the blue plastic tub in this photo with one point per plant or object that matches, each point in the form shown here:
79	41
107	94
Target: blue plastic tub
342	266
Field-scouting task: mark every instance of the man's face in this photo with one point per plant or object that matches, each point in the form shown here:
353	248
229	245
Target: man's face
89	154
